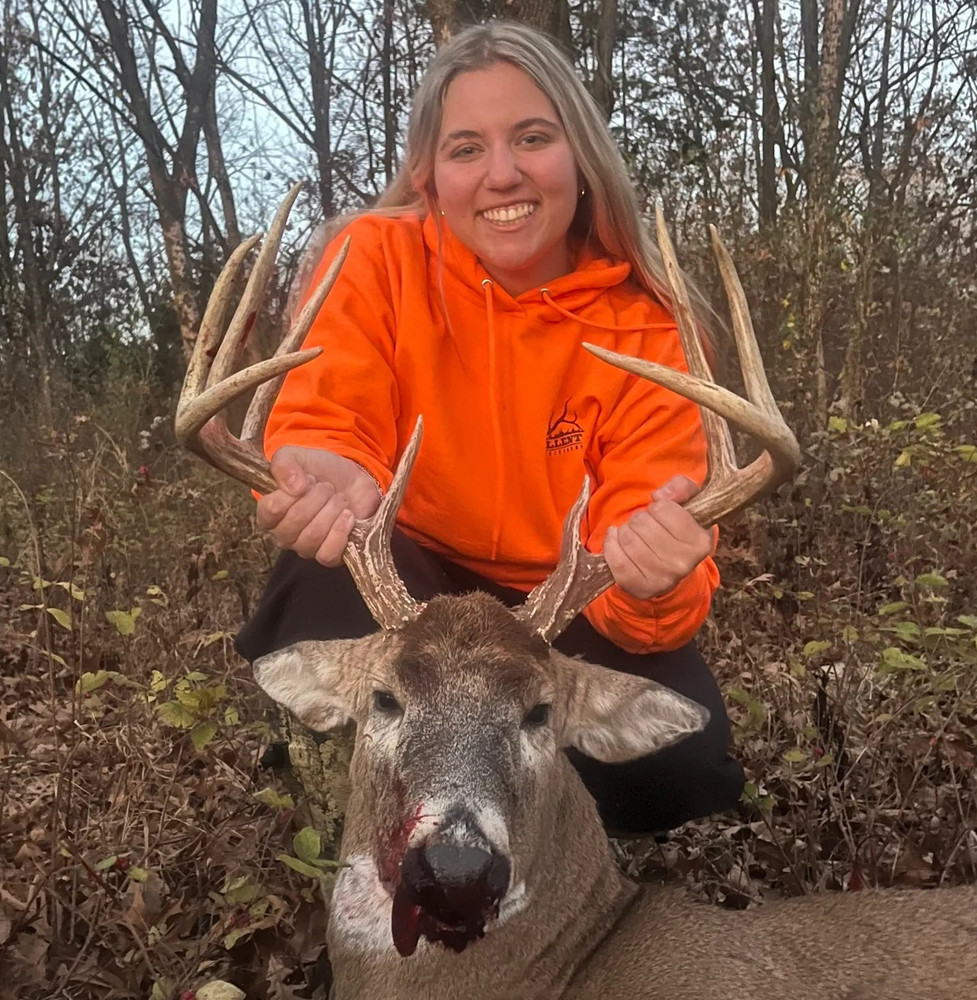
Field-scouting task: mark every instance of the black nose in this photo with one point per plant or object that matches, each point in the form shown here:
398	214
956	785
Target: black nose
455	884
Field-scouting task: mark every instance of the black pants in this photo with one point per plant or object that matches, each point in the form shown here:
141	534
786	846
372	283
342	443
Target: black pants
304	600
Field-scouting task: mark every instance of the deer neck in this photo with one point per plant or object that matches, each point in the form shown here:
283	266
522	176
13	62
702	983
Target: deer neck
567	897
575	891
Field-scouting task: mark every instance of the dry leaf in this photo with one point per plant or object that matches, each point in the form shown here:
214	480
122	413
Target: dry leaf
217	989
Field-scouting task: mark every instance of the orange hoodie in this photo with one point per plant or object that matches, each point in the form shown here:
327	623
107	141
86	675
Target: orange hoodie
515	411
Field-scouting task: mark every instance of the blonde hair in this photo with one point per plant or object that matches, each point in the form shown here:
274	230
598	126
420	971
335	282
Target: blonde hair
607	217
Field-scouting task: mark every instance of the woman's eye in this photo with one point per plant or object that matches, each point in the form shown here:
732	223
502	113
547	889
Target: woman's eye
538	715
384	701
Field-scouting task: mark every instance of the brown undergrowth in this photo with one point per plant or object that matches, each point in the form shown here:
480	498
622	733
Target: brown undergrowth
139	839
142	845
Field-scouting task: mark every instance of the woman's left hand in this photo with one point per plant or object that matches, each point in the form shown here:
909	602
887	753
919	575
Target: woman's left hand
659	546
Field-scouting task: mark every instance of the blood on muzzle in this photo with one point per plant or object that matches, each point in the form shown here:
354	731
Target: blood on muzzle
447	893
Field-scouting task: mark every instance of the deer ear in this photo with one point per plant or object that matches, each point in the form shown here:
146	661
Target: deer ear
615	717
318	681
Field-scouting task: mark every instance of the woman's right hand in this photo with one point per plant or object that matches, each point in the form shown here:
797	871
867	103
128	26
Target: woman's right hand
319	496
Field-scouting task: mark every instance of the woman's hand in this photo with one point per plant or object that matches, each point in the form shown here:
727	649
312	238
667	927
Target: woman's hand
319	496
659	546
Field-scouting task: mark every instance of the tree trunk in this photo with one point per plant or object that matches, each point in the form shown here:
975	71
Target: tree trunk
443	17
604	56
851	382
317	775
767	194
389	111
33	307
820	146
321	50
552	16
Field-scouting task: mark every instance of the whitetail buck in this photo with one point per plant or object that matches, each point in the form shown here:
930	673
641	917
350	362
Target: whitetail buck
478	868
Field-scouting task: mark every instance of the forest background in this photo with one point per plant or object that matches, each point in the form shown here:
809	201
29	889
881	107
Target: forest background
143	851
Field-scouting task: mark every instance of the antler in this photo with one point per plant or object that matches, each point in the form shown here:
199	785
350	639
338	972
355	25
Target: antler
581	575
211	383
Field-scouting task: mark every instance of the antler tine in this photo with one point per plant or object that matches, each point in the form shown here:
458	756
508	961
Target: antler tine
212	325
728	487
747	348
368	556
722	455
578	578
254	293
580	575
253	427
209	386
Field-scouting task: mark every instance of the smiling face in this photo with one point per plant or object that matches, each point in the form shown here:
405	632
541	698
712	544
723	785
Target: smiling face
505	176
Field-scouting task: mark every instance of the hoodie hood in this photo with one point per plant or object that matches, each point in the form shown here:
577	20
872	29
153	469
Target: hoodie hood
592	276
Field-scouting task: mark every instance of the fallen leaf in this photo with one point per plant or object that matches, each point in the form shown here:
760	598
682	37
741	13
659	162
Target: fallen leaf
217	989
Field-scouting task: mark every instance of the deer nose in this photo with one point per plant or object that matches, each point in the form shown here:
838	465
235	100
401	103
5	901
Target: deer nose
455	883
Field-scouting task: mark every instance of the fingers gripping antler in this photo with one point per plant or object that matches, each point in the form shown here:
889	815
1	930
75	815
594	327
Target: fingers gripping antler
581	575
212	382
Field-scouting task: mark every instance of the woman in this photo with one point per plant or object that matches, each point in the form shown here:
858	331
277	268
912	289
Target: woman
510	236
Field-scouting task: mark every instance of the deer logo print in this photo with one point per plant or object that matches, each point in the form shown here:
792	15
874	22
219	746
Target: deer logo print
564	433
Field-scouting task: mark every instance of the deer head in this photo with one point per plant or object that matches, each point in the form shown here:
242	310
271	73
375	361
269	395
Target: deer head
461	719
461	706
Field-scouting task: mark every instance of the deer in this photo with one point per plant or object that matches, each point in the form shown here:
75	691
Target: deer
475	865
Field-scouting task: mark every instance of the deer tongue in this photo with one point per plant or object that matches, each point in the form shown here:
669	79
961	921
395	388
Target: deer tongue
409	920
405	921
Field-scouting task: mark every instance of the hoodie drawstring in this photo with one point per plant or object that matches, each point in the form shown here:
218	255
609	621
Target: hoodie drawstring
487	285
548	299
493	378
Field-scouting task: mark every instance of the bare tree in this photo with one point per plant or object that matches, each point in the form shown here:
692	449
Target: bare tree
765	16
124	65
22	288
172	168
825	68
904	97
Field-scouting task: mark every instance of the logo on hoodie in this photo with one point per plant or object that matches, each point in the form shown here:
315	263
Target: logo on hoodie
564	433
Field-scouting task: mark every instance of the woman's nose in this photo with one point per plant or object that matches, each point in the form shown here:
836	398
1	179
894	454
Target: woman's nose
503	170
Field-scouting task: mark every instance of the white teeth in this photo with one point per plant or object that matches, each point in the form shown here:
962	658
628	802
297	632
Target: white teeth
508	214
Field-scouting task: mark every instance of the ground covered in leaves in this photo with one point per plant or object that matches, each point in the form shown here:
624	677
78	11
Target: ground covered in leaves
145	853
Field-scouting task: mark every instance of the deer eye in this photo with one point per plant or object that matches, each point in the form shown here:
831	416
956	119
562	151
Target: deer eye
538	715
384	701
